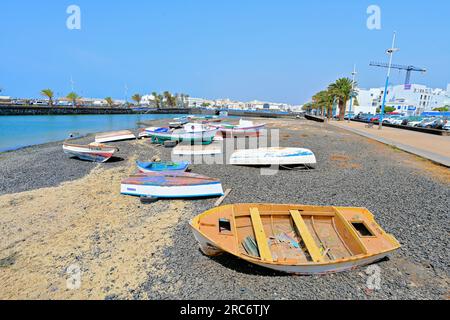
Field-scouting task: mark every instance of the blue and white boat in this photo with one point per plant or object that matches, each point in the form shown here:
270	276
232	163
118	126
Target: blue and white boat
273	156
162	166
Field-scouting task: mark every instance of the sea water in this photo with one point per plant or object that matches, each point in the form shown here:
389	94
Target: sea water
22	131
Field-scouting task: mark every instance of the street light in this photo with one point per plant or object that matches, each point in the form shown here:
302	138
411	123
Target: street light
354	73
390	52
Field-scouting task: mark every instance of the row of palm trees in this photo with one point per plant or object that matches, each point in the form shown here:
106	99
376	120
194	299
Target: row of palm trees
72	96
166	99
338	92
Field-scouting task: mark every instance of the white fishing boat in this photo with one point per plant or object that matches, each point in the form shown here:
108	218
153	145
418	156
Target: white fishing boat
175	184
94	152
273	156
114	136
245	128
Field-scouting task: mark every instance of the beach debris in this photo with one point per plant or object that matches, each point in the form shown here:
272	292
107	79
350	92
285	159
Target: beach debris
222	198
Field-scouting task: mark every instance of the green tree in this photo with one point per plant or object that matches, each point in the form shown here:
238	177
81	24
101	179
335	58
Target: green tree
170	99
342	90
109	101
387	109
137	98
73	97
442	109
49	94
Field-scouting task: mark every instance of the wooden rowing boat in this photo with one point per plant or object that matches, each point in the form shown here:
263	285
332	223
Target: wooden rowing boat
114	136
93	152
273	156
294	238
174	184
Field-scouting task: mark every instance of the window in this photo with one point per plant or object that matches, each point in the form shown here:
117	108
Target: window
362	229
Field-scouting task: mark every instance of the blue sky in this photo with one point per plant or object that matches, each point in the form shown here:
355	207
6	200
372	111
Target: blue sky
242	49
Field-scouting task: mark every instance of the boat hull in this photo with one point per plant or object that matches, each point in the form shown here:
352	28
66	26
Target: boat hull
182	192
205	137
170	185
274	156
161	166
114	136
87	153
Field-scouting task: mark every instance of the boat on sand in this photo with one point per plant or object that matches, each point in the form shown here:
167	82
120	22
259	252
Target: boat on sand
173	184
295	239
273	156
114	136
95	152
191	133
162	166
245	128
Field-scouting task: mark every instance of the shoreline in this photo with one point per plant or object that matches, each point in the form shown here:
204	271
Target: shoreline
57	211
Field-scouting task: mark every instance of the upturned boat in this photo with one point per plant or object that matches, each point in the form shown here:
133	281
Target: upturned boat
245	128
145	132
114	136
297	239
274	156
173	184
94	152
146	167
191	133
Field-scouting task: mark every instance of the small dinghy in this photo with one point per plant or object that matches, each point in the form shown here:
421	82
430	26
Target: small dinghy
145	132
162	166
295	239
191	133
114	136
274	156
245	128
173	184
93	152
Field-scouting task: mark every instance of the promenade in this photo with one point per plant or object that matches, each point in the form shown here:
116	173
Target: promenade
432	147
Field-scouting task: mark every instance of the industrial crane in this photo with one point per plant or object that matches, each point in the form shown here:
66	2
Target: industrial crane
408	69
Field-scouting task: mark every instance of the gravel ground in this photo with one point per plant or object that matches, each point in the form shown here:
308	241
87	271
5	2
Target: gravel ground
46	165
410	198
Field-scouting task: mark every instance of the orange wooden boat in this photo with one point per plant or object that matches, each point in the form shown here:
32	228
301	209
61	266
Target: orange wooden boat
294	238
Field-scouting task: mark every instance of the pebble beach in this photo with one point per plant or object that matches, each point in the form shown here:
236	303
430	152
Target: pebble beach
57	212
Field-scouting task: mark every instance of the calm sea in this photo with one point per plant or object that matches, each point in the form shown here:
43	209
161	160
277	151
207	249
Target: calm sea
22	131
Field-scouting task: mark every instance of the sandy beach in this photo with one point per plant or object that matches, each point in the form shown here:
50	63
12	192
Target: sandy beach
57	212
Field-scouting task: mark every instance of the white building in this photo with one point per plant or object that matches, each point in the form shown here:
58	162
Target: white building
409	99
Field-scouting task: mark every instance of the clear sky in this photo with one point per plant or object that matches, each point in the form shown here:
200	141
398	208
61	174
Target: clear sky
241	49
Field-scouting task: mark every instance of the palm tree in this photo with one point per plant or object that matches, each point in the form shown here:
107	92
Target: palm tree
342	89
156	99
170	99
109	101
325	100
137	98
73	97
49	94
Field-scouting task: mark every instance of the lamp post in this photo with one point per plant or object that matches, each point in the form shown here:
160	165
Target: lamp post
390	52
351	94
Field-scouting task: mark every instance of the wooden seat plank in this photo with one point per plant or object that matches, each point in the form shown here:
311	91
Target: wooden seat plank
306	236
260	234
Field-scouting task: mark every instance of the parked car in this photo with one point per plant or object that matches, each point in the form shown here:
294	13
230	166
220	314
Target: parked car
446	126
411	121
364	116
374	118
433	123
